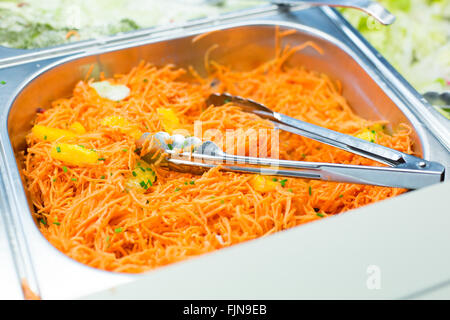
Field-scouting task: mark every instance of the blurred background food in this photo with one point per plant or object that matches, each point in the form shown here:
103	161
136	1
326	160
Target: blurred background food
417	44
42	23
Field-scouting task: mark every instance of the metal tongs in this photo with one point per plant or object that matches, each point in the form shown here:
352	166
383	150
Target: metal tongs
404	171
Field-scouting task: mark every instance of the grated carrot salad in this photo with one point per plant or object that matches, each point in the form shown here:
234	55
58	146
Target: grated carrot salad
89	213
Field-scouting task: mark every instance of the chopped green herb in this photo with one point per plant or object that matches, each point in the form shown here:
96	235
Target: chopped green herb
102	177
309	190
110	174
101	159
186	183
303	155
134	174
371	140
143	185
341	195
177	189
212	197
58	149
320	215
222	201
57	223
145	80
290	190
54	180
118	230
45	137
80	145
373	131
283	182
192	182
274	179
124	150
170	146
65	169
43	221
74	179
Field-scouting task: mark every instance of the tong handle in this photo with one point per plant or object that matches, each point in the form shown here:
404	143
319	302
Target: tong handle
346	142
379	176
373	8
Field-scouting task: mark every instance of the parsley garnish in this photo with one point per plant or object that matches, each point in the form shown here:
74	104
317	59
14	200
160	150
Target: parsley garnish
118	230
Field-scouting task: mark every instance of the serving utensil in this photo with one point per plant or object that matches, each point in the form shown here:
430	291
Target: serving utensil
440	101
372	8
403	171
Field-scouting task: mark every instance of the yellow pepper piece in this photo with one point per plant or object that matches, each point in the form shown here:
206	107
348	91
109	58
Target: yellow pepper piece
368	135
169	119
77	128
73	154
377	127
142	177
123	125
51	134
115	121
263	183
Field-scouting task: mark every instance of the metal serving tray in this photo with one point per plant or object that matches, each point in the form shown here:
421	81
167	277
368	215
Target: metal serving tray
372	87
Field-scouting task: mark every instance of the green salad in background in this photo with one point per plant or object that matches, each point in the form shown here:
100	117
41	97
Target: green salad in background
417	44
29	24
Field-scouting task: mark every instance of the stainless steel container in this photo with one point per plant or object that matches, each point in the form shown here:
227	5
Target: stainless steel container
372	87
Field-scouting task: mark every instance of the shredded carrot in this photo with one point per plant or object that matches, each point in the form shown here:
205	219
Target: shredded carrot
88	213
72	33
202	35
